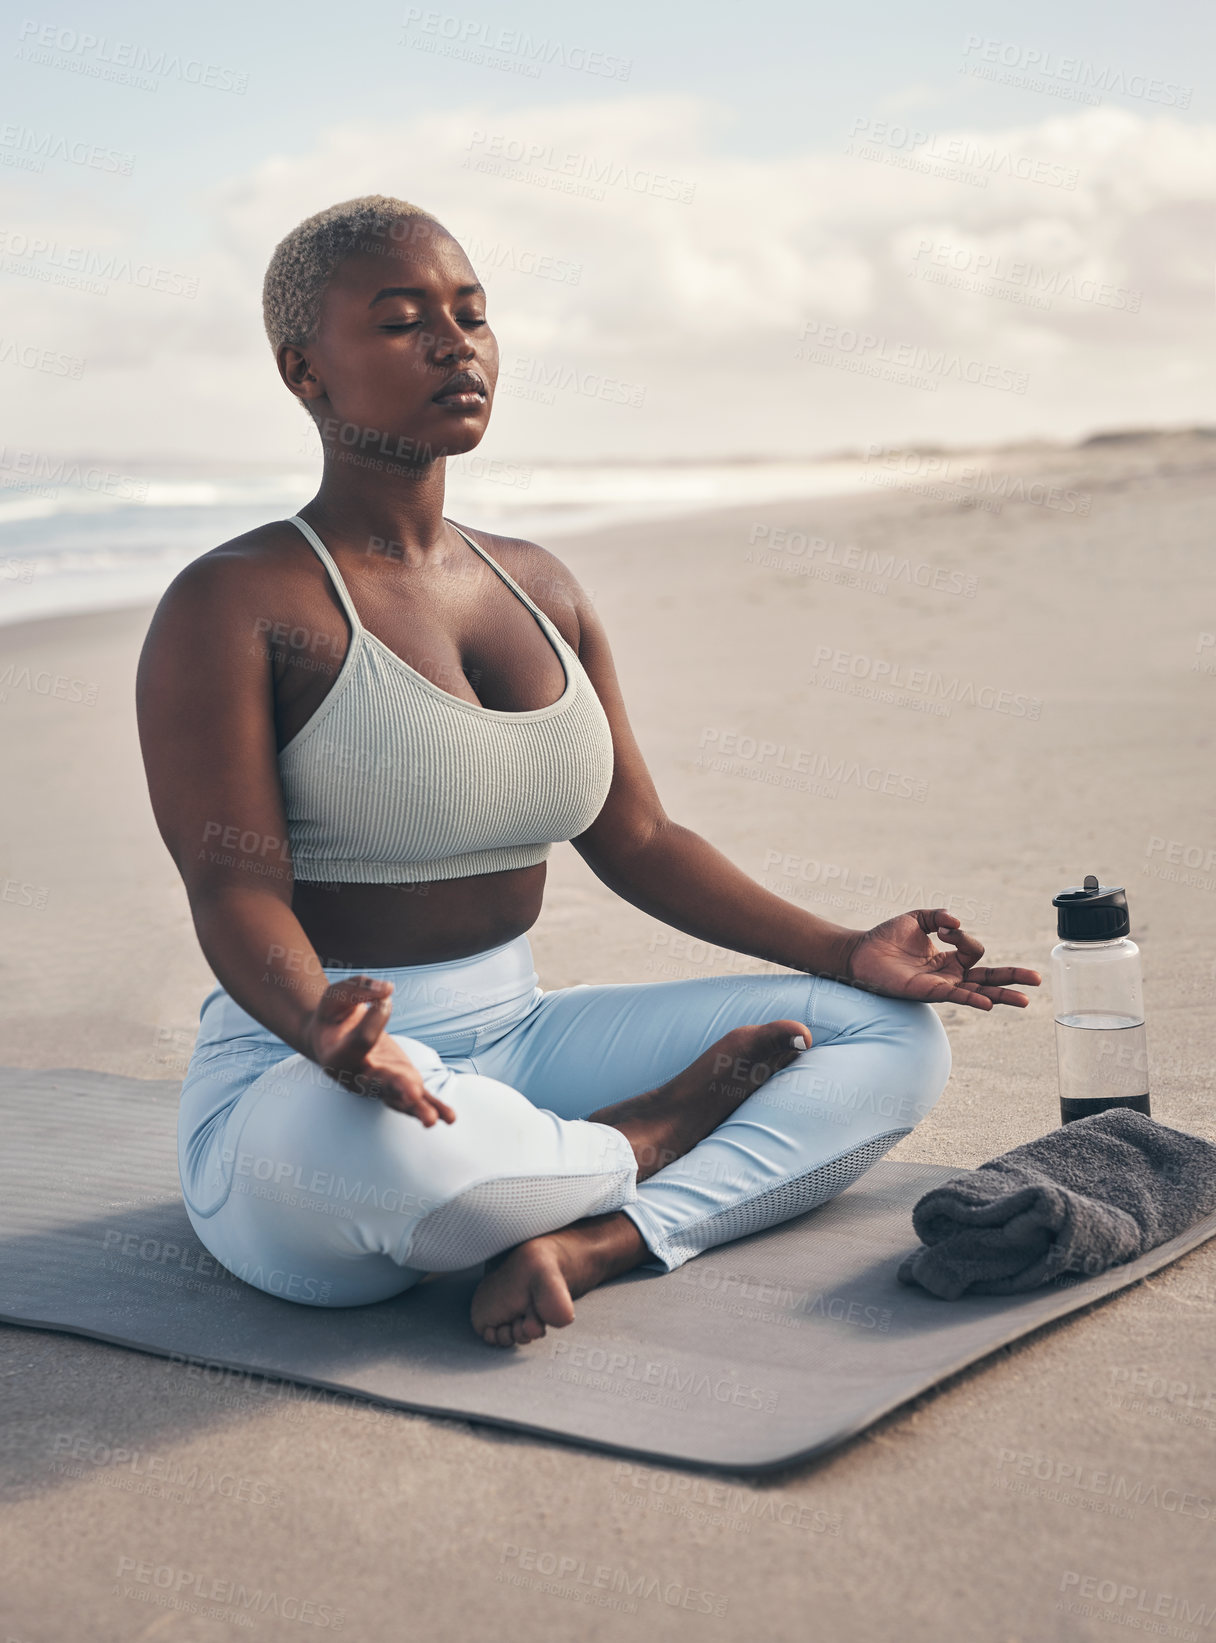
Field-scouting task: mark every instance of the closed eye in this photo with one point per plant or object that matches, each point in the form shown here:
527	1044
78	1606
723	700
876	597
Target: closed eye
468	320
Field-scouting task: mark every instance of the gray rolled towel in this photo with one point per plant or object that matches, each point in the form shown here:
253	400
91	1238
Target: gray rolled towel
1088	1196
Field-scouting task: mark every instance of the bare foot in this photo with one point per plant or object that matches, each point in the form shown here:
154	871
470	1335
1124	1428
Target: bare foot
664	1124
535	1284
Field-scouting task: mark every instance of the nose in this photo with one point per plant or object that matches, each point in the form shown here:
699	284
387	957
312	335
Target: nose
453	343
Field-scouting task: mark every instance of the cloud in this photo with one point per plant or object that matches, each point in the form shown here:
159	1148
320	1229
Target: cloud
624	237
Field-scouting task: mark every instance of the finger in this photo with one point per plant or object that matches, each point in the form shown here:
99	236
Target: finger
414	1108
969	994
400	1088
967	947
409	1102
416	1101
423	1102
932	919
941	990
364	1033
1005	995
341	997
964	995
999	975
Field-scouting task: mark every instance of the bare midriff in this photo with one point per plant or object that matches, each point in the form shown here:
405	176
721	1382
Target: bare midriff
389	926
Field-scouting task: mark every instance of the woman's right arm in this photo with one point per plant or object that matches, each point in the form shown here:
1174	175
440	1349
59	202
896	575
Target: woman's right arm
205	701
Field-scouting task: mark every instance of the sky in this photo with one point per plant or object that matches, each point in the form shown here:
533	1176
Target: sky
707	230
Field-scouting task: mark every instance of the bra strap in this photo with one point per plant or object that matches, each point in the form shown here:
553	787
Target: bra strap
335	575
519	592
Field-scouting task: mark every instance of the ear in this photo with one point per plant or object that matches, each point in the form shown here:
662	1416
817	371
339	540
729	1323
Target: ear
297	372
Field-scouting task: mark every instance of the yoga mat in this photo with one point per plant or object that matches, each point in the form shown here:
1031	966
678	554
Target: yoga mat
771	1349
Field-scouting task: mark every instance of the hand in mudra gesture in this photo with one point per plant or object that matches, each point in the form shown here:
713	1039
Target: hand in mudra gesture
347	1039
898	958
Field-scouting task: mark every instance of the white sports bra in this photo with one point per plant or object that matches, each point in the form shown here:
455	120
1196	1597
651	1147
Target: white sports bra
394	780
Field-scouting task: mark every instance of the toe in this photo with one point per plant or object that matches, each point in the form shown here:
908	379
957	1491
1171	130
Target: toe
755	1053
792	1038
775	1045
553	1303
523	1329
536	1327
504	1335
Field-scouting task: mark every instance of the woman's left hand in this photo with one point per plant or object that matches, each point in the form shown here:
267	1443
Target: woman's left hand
898	958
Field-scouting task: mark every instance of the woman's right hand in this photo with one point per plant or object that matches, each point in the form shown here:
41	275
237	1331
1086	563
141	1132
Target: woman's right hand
347	1039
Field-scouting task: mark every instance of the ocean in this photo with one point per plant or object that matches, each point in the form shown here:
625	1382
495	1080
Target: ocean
99	535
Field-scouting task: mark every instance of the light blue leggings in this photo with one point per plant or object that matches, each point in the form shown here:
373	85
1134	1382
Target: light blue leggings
314	1192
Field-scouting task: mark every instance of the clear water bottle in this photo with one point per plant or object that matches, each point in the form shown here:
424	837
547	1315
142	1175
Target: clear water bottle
1096	989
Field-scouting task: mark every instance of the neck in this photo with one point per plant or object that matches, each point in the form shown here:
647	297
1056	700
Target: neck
380	506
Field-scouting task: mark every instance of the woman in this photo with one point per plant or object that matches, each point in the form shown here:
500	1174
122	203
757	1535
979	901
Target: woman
363	729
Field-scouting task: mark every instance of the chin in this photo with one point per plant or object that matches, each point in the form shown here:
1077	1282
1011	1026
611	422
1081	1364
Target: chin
454	436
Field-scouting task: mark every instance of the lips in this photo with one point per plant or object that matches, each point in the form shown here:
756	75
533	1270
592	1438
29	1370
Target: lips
465	389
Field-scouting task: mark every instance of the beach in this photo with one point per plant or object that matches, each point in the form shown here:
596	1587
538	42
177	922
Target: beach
968	682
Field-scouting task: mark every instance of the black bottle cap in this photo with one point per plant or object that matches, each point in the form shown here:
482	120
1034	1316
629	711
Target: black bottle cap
1091	912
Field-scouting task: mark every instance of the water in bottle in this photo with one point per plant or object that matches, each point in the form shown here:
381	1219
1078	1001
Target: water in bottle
1101	1048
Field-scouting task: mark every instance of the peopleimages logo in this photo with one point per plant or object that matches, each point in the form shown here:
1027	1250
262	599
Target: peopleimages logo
729	752
1092	1481
826	342
760	1299
470	36
292	1286
885	566
31	468
926	472
869	137
627	1366
991	269
190	1477
322	1184
235	1595
33	358
576	1577
41	146
880	887
548	377
58	685
890	677
1116	1595
46	259
100	57
681	1490
1032	66
564	168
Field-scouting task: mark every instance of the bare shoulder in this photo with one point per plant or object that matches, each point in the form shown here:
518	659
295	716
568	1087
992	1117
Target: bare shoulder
241	572
217	618
543	576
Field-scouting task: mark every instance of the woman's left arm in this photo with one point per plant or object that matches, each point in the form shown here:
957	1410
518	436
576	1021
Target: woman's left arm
675	875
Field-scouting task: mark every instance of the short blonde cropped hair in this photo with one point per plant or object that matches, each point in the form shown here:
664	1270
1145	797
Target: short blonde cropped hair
303	262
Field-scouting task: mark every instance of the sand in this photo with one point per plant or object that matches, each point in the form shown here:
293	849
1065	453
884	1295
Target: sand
1068	630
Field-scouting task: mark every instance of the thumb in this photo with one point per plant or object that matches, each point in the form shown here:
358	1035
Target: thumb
341	997
364	1032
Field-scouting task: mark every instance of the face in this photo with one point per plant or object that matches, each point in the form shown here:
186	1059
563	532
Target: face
403	362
